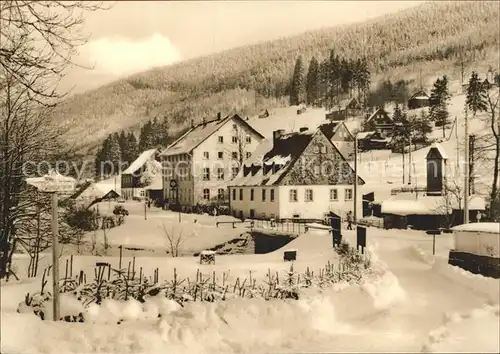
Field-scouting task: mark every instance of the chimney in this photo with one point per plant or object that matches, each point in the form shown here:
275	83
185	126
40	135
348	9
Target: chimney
218	116
277	134
303	129
203	120
192	123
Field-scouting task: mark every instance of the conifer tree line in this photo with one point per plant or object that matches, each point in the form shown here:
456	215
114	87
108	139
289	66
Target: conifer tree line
329	81
120	149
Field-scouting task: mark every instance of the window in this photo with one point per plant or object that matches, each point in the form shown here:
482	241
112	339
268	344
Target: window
206	194
235	127
271	196
206	155
334	194
348	194
220	155
251	194
234	139
220	139
142	192
234	155
234	194
248	154
309	195
248	139
241	194
234	171
220	173
220	194
293	195
320	148
263	195
206	174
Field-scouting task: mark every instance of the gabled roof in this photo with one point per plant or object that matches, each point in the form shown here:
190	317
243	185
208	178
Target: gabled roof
140	161
285	152
437	148
343	104
419	95
379	110
201	132
329	129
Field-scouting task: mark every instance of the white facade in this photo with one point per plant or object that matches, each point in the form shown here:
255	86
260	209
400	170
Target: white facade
203	174
304	202
478	238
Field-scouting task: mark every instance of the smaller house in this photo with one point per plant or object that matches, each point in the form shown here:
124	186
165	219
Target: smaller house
477	248
154	191
131	184
91	193
341	137
264	114
434	209
345	109
418	100
381	122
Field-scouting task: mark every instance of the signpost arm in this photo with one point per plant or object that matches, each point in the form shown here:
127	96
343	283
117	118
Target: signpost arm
55	259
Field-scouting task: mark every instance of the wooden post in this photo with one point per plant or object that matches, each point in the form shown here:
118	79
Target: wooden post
409	160
55	259
355	179
433	244
466	170
145	207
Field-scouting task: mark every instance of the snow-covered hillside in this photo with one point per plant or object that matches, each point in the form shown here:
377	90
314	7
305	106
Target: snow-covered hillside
383	169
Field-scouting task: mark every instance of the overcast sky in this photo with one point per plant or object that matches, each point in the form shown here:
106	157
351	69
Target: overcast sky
134	36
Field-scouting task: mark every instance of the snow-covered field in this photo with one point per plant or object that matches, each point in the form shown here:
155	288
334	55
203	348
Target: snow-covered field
411	302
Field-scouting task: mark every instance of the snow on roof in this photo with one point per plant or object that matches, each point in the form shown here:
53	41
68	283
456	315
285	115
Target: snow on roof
379	110
490	227
363	135
440	149
420	95
140	161
409	204
199	133
157	183
283	152
207	253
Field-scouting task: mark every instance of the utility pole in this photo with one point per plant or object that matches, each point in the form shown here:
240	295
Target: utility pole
145	208
55	259
458	149
471	164
355	179
403	155
409	161
466	169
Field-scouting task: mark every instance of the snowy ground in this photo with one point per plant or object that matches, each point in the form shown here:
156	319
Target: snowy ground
413	302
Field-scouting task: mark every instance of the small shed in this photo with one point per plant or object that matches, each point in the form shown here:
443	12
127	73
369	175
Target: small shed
418	100
477	248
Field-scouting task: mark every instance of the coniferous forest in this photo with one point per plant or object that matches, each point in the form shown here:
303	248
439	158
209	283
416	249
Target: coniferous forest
375	61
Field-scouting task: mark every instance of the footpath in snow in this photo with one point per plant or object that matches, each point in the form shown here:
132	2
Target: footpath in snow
411	302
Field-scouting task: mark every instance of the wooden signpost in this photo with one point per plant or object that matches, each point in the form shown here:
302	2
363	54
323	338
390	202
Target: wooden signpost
433	233
54	183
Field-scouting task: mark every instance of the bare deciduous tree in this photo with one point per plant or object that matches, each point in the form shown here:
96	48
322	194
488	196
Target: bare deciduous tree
38	41
175	237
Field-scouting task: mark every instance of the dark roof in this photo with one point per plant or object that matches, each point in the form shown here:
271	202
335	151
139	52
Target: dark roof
199	133
292	144
329	129
419	94
285	151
